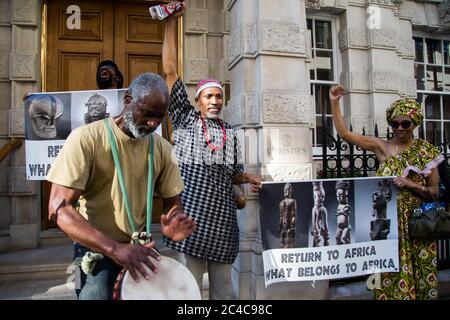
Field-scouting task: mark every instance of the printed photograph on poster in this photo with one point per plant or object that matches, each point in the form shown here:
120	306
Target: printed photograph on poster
47	116
50	117
318	216
90	106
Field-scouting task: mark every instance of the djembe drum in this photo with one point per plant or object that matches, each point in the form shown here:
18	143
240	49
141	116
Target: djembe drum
173	281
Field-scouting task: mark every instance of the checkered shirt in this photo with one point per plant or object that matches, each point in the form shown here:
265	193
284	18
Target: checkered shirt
208	177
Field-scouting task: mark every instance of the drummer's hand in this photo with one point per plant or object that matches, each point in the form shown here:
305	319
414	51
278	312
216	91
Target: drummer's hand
132	256
178	227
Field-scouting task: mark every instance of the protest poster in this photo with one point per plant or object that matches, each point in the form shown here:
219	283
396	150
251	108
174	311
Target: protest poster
51	116
328	229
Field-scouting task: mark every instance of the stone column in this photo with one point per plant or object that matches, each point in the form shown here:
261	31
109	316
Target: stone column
270	104
19	73
377	62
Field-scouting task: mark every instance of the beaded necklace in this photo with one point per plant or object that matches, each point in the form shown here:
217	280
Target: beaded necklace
207	138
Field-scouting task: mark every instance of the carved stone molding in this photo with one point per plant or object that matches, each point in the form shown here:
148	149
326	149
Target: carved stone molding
359	81
226	21
196	20
234	44
357	2
23	66
5	40
444	17
422	14
383	38
282	37
406	47
5	12
385	2
251	103
242	109
232	113
432	13
385	81
223	71
249	39
313	4
243	40
4	123
197	69
341	3
4	65
353	38
286	108
4	179
330	4
18	183
278	172
282	145
407	9
24	12
16	123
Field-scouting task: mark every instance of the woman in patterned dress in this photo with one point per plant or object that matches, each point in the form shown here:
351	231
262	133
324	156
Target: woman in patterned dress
414	162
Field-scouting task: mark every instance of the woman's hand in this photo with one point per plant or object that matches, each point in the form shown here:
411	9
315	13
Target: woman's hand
402	183
336	93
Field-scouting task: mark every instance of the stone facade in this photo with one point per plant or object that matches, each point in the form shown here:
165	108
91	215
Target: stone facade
19	73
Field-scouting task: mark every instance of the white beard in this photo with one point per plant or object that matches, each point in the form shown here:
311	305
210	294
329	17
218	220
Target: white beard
213	115
132	127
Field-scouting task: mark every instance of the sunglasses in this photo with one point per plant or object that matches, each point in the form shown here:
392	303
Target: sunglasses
405	124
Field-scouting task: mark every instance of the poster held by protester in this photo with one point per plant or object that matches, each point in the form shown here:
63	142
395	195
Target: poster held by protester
51	116
328	229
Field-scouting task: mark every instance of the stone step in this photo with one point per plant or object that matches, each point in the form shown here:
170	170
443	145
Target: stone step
37	290
34	272
36	264
54	238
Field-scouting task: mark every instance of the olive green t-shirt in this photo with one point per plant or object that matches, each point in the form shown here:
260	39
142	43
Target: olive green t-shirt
85	163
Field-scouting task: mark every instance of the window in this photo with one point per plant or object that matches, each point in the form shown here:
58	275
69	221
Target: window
323	75
432	75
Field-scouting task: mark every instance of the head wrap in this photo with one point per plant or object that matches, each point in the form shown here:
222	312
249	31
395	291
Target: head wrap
408	107
208	83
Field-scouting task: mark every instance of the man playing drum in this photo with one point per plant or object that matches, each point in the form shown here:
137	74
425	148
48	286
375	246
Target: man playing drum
207	151
103	168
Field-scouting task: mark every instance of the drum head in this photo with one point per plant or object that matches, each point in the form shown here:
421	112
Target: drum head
173	281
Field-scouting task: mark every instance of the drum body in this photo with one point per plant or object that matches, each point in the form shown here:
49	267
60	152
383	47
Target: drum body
173	281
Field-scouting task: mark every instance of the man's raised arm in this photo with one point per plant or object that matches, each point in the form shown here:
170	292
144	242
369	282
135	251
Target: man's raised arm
169	51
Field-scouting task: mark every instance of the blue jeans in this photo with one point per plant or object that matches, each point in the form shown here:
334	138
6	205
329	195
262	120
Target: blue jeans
98	285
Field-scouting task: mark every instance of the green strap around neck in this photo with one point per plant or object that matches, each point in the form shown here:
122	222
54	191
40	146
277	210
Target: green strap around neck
115	154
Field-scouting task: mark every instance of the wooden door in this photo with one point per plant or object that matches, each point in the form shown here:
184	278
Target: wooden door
110	30
73	54
138	41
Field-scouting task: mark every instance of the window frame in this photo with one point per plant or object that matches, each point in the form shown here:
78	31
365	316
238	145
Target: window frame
334	22
442	121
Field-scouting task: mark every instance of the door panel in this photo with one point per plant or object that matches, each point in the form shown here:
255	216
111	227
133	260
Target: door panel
73	55
138	40
91	26
137	63
72	75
